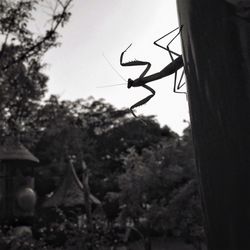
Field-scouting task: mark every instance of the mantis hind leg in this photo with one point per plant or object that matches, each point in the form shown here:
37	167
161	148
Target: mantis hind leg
171	53
177	83
180	83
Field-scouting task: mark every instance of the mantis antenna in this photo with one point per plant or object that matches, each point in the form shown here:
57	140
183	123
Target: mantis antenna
116	71
110	64
112	85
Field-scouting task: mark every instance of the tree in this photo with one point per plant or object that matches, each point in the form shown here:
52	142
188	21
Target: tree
130	133
22	83
21	90
15	25
159	191
72	128
94	131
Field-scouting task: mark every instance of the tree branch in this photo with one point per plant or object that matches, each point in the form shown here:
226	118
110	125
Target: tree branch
58	20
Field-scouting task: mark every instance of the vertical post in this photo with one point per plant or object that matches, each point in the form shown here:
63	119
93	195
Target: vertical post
216	53
86	190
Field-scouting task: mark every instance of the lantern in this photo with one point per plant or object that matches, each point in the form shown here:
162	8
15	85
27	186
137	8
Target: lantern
17	195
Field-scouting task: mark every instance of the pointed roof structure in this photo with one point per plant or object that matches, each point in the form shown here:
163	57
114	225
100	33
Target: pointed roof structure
68	194
12	149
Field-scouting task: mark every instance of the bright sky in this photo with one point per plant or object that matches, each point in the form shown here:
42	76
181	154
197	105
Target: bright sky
98	27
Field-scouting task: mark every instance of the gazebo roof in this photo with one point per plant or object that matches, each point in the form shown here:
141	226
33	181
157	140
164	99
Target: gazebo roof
68	194
14	150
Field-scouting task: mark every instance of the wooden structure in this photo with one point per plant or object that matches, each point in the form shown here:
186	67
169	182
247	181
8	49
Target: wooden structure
68	194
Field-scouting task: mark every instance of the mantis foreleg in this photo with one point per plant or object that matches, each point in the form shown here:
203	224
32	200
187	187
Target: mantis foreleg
135	63
143	101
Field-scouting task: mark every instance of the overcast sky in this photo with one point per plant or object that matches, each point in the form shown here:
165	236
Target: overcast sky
98	27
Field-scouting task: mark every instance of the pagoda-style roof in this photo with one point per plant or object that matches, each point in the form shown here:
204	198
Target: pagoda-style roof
68	194
14	150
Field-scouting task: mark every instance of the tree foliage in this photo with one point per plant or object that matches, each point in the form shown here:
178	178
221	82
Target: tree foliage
147	175
22	82
15	24
159	190
20	91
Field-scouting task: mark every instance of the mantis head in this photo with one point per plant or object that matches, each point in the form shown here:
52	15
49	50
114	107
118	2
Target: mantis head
130	83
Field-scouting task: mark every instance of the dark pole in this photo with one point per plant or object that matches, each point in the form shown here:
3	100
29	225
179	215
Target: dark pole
216	53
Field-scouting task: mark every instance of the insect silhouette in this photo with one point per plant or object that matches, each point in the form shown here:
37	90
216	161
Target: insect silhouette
170	69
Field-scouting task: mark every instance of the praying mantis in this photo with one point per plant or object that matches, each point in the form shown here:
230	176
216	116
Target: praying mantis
170	69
